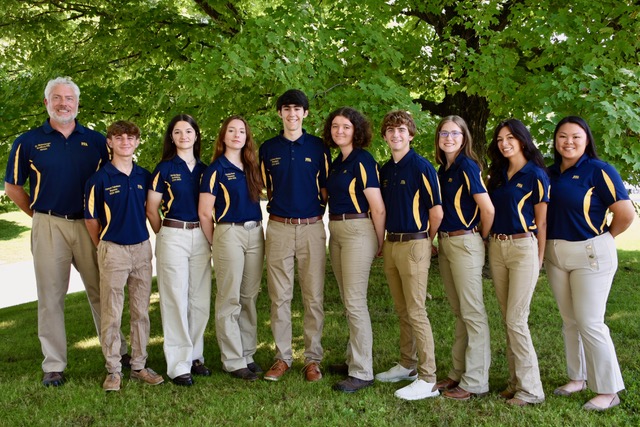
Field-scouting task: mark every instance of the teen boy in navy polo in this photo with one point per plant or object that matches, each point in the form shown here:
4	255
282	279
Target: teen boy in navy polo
294	168
411	196
57	158
115	216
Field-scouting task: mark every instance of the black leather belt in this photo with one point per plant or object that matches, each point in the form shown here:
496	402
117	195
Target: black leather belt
72	216
405	237
344	217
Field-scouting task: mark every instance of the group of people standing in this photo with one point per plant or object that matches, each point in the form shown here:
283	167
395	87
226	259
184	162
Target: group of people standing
396	212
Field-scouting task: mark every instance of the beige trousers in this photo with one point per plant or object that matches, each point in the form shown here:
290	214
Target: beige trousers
461	259
406	267
56	244
580	275
238	258
352	247
515	269
284	244
122	265
183	266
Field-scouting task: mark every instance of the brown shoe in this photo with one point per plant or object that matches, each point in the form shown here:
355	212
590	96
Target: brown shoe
276	371
459	393
517	402
507	394
147	375
112	382
312	371
446	384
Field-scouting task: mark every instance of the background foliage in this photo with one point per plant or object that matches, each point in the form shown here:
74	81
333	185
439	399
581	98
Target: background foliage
146	60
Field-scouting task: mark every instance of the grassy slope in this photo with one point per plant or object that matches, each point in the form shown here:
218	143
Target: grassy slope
221	400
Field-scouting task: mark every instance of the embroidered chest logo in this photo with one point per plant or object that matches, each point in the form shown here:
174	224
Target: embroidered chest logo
175	177
43	146
403	182
519	185
307	159
450	180
575	177
114	189
140	187
84	144
230	176
275	161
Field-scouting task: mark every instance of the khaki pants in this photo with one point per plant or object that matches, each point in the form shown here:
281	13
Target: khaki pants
56	244
122	265
515	269
306	244
352	247
580	275
183	265
461	259
406	266
238	258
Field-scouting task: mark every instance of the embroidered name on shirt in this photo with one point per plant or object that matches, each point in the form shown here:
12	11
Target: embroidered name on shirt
275	161
230	175
175	177
44	146
115	189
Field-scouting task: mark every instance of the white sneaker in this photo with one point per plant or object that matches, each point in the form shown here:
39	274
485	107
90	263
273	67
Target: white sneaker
419	389
397	373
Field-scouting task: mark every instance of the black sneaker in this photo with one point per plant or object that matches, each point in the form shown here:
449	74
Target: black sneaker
352	384
244	374
54	379
198	368
183	380
255	368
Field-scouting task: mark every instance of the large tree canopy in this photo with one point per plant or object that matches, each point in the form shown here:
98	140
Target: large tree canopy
146	60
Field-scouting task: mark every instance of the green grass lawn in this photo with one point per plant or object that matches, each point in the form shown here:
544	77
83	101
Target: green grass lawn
223	400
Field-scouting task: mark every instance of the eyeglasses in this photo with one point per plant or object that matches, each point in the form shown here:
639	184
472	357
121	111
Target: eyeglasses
445	134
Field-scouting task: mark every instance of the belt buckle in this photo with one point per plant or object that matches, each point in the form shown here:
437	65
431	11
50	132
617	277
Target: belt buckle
250	225
502	237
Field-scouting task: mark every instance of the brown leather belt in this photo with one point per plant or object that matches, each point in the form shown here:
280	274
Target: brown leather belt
343	217
296	221
174	223
503	237
405	237
457	232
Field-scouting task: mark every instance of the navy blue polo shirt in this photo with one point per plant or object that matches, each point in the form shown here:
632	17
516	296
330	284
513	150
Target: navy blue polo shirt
229	185
515	199
580	197
180	188
118	202
347	181
409	189
295	171
57	167
458	185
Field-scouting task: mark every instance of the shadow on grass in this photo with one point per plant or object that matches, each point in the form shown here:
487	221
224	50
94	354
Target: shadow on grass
10	229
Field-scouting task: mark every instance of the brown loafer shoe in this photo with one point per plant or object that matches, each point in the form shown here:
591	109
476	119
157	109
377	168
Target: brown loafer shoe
312	371
276	371
446	384
459	393
507	394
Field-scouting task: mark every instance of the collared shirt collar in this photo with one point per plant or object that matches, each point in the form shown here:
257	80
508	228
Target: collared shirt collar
49	129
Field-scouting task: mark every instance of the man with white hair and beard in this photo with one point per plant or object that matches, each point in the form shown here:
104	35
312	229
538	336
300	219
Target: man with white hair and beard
57	158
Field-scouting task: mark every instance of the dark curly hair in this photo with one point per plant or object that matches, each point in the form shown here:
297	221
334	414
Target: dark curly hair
361	127
499	162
